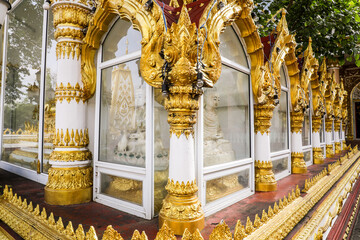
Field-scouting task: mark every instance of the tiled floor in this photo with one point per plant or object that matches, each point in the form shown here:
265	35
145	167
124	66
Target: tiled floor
101	216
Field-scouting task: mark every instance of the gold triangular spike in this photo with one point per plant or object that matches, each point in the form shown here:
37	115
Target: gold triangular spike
91	234
111	234
80	234
221	231
51	219
43	214
195	236
270	212
239	233
60	225
69	229
249	228
257	221
264	216
165	233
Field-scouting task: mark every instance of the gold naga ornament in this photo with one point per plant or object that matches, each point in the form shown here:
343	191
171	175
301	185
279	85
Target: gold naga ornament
338	115
267	90
344	113
180	55
330	95
318	86
299	90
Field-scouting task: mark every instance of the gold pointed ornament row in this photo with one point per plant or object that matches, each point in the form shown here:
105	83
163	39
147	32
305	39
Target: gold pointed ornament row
69	93
295	207
73	138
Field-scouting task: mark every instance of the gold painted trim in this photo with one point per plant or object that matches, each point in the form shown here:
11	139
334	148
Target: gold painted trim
298	164
318	156
264	177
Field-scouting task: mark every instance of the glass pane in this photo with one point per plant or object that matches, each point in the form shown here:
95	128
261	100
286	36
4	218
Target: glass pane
126	189
226	119
280	165
50	85
283	77
322	131
21	108
279	125
161	150
307	156
121	40
122	121
223	186
306	132
231	47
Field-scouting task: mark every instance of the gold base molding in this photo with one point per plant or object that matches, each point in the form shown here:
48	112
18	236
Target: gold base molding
181	208
329	151
67	197
68	186
337	147
298	164
318	156
264	177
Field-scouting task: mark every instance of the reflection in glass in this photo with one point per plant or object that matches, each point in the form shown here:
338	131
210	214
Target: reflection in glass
161	150
50	85
322	130
231	47
280	165
306	130
21	108
279	125
122	123
121	34
226	119
307	156
121	188
223	186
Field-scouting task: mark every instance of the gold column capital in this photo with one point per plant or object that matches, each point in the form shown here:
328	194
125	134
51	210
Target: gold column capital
337	124
316	123
328	124
297	119
263	115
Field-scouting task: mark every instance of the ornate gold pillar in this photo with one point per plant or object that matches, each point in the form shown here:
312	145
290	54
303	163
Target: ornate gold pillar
298	164
318	156
264	176
70	175
328	137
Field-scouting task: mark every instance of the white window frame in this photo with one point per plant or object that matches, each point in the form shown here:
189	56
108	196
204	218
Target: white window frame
308	148
19	170
211	172
145	174
287	152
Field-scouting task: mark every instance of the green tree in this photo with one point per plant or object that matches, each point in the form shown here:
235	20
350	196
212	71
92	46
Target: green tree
333	25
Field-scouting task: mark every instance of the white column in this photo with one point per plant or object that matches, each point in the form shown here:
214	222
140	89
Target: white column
315	139
262	146
181	159
296	142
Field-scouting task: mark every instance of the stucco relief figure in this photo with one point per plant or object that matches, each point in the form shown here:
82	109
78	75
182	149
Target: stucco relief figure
217	149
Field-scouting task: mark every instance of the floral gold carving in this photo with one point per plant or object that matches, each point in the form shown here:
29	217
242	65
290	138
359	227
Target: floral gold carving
69	178
337	147
70	156
329	151
69	32
298	164
264	176
318	156
316	124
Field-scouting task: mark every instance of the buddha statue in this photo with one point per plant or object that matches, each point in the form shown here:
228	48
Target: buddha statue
216	149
